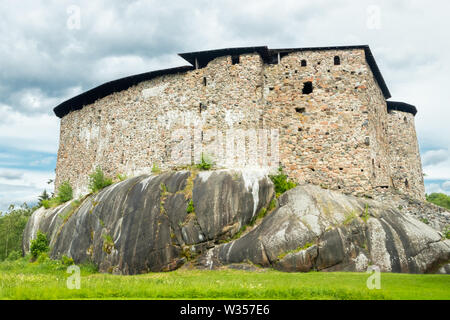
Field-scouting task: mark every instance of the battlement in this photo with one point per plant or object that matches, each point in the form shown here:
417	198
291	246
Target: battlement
320	113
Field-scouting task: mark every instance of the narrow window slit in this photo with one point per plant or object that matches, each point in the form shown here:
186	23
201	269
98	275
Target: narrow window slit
307	87
337	60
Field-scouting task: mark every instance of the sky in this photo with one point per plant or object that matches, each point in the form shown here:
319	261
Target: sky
53	50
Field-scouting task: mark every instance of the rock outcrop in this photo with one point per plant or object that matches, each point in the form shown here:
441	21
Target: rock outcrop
317	229
160	222
143	224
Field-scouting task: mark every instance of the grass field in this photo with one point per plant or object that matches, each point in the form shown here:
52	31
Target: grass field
47	280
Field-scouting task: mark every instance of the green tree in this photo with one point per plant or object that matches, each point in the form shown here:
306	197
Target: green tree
39	244
439	199
65	192
44	196
12	224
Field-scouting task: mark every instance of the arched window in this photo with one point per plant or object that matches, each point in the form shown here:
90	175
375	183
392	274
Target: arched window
303	63
337	60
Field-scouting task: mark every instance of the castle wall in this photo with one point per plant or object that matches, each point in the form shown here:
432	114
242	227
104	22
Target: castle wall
406	166
130	131
334	136
337	133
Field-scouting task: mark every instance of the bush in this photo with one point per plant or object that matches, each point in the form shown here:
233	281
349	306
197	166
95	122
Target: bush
14	255
65	260
155	168
205	164
46	203
447	233
65	192
39	244
43	257
281	182
190	207
121	177
98	181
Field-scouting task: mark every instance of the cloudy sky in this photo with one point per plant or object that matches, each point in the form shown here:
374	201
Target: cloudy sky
53	50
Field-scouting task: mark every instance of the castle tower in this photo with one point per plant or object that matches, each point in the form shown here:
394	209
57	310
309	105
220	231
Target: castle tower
405	166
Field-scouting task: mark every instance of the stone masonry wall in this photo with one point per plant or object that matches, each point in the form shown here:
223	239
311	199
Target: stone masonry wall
406	166
331	136
249	114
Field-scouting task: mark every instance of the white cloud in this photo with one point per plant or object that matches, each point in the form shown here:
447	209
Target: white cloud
10	174
42	162
28	132
114	67
446	186
438	170
433	188
433	157
25	186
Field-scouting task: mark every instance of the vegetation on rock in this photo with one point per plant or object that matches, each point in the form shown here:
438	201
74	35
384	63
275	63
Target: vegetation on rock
301	248
155	168
281	182
205	164
121	177
98	180
65	193
190	207
44	196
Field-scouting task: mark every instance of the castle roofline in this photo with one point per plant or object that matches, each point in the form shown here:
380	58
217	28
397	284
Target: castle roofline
401	106
201	59
92	95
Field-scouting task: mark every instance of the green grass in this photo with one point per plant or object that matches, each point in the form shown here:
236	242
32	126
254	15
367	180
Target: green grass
47	280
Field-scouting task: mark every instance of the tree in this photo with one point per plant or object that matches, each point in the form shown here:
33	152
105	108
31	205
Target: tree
44	196
39	245
439	199
65	192
12	224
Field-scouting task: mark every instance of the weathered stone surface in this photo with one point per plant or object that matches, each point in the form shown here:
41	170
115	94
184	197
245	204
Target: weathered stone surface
216	191
317	229
142	224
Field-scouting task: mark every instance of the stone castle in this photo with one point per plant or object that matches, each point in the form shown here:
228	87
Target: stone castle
321	114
